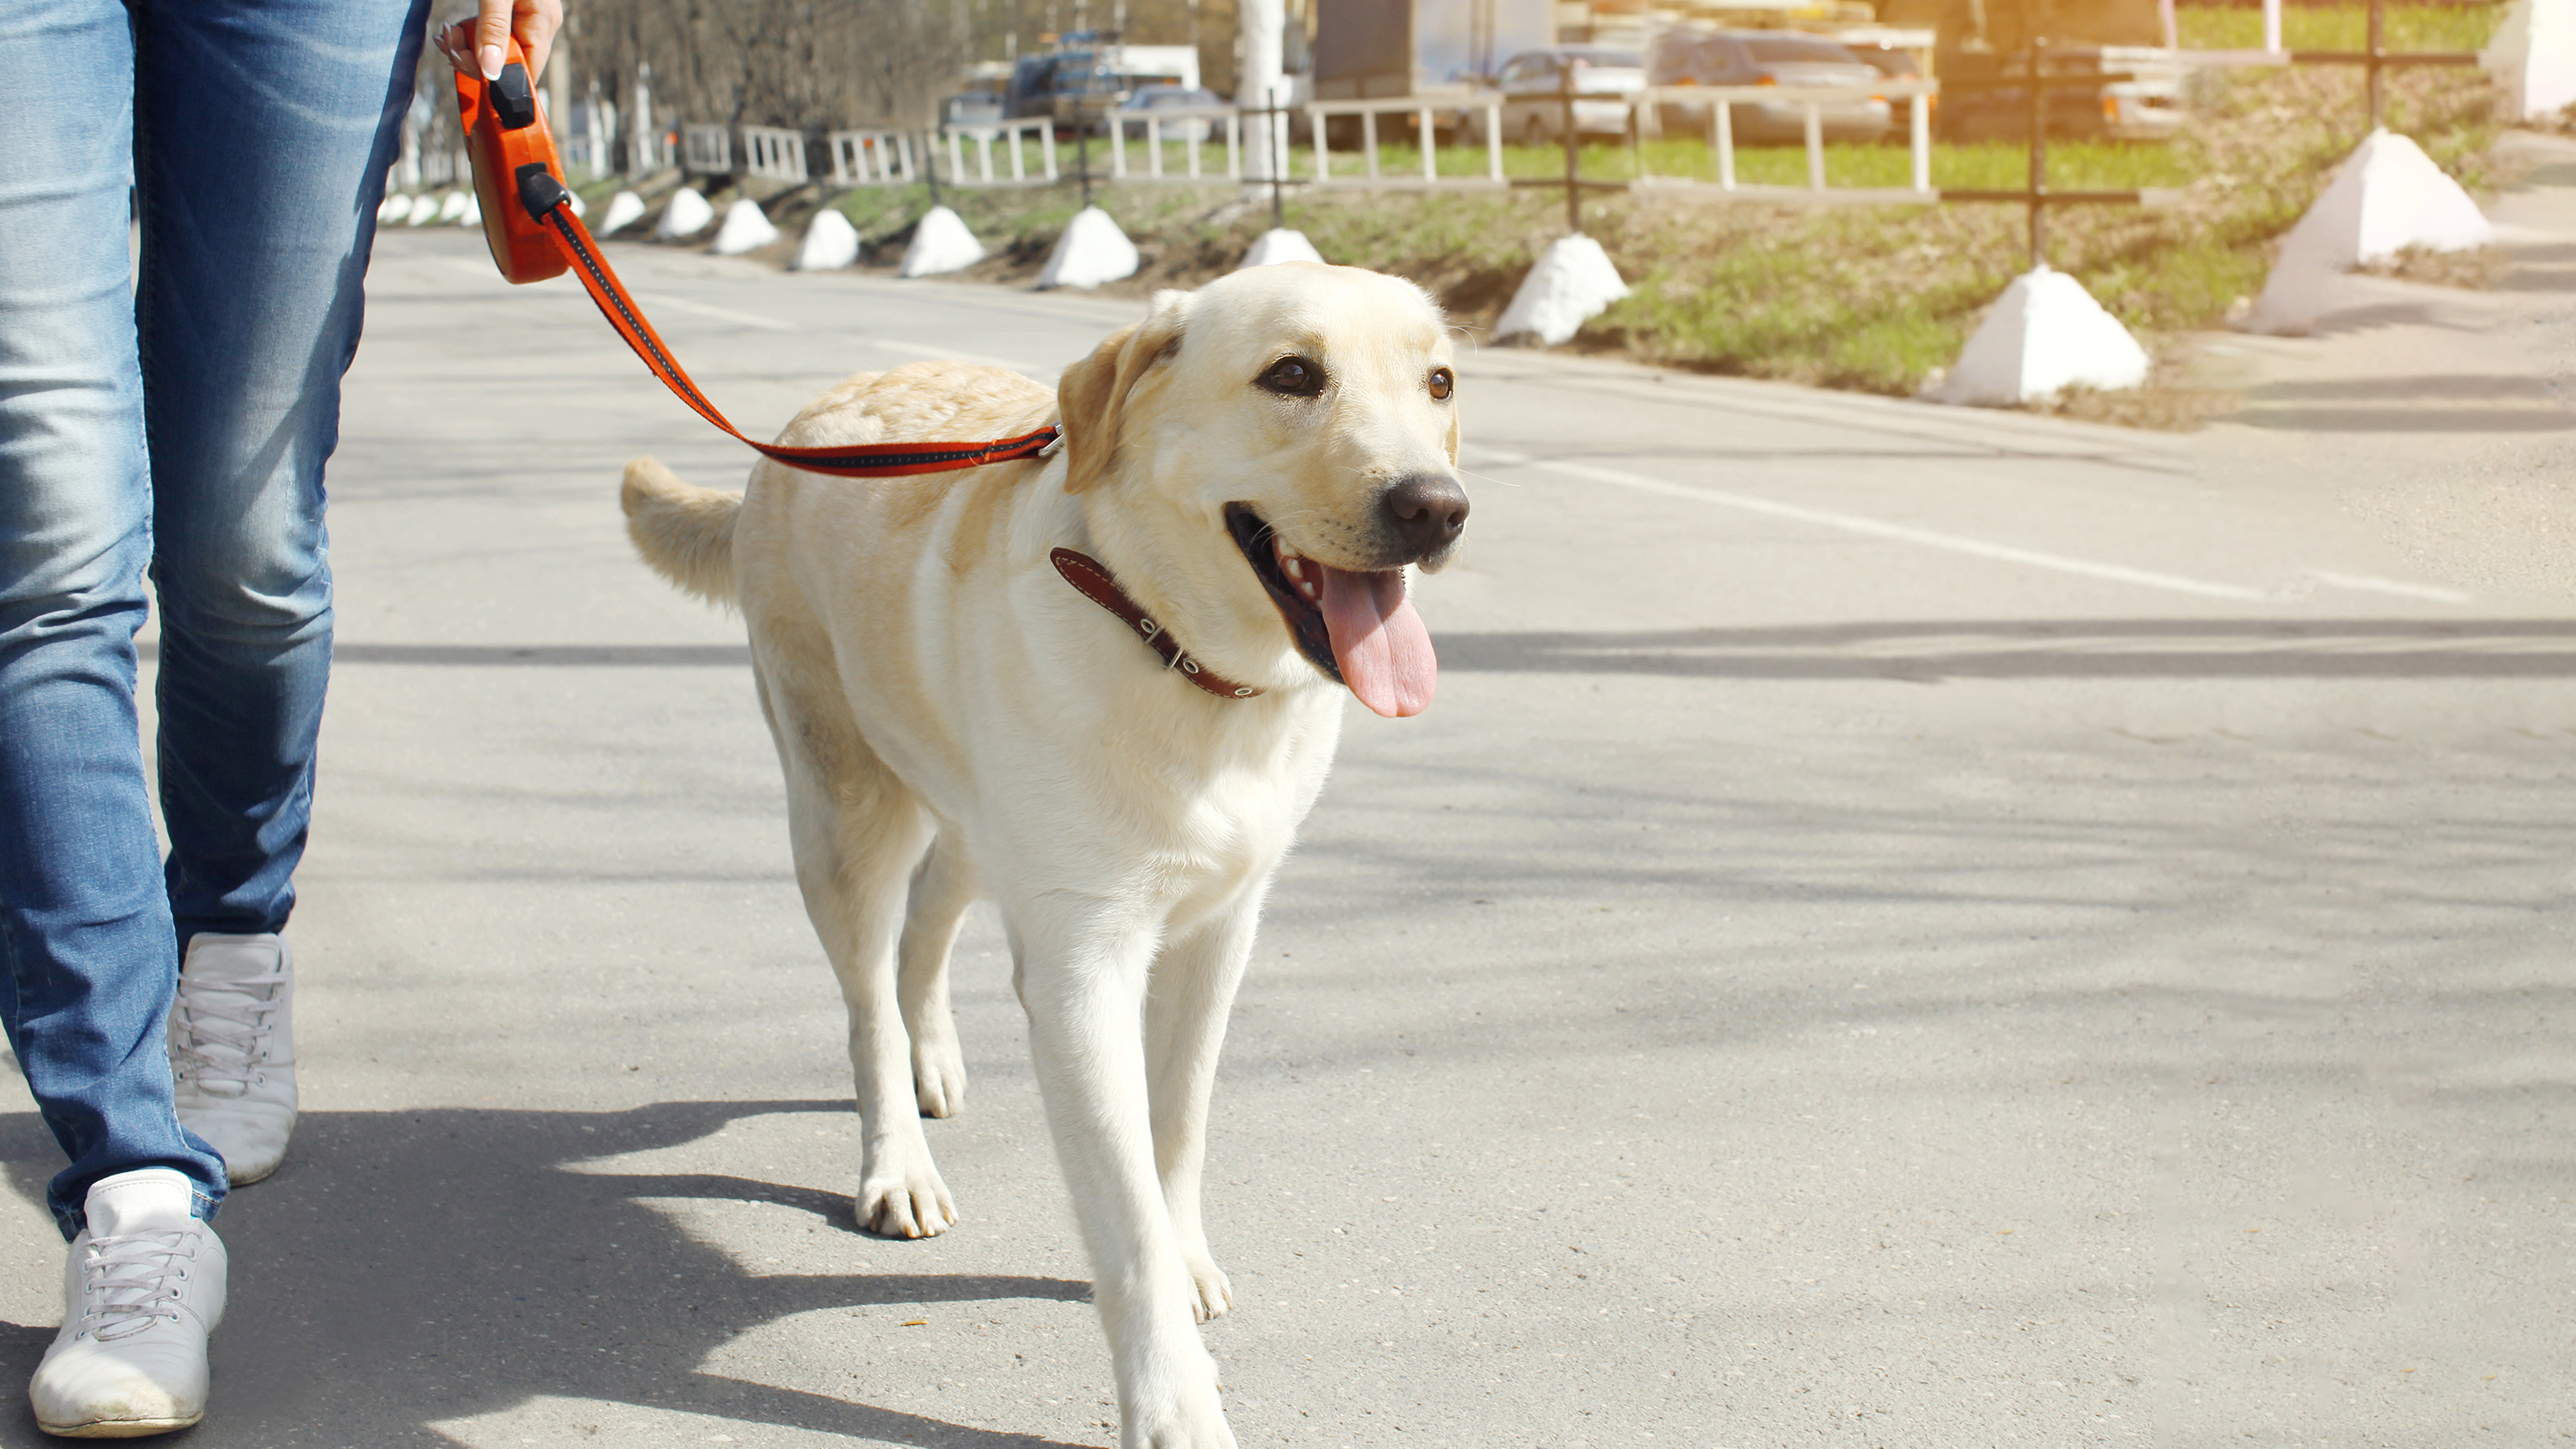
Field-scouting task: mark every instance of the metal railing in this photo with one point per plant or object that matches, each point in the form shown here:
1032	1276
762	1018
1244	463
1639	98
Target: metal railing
1426	111
706	150
871	158
773	153
1812	101
1198	124
1014	137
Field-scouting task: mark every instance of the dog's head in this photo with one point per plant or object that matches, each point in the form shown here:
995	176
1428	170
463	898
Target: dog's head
1279	446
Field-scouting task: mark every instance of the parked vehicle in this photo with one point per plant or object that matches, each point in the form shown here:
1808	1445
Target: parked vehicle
1092	73
1534	84
1148	99
1771	58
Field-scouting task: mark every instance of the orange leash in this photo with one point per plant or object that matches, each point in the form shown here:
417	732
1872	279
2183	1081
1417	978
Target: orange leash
533	234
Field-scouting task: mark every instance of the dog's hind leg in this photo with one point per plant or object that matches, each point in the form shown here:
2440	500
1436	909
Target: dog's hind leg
1194	982
857	834
942	888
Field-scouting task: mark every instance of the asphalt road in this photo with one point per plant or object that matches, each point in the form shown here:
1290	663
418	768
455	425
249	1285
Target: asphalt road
1904	927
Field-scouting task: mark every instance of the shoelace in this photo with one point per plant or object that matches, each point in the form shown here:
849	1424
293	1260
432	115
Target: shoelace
237	1028
146	1284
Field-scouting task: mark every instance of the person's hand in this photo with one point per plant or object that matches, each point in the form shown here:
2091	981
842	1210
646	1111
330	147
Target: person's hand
475	46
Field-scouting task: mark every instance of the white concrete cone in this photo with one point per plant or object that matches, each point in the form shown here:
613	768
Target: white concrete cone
1092	251
1280	244
686	216
1573	281
746	229
2387	196
2044	335
623	209
393	209
830	244
940	243
471	213
2533	56
451	207
424	210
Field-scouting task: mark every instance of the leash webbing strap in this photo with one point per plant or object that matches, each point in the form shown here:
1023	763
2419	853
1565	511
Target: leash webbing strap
544	198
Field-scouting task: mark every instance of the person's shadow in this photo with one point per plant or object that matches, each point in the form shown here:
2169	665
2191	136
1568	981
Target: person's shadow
450	1263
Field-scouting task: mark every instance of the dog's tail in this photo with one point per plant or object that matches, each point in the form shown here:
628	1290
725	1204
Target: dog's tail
685	532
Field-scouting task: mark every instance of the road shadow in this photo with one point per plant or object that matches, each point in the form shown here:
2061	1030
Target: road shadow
2030	649
409	1268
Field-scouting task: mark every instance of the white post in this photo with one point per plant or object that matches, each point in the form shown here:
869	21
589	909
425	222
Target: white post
1117	145
1262	26
1368	140
2272	26
956	156
1046	149
1722	122
1323	158
1190	139
1921	108
644	158
1494	142
1153	146
1234	146
984	154
1430	153
1019	155
1815	147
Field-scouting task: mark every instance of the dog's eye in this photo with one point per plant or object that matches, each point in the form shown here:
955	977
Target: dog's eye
1294	377
1441	383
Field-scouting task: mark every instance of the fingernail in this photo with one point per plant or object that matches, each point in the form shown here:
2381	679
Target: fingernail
491	62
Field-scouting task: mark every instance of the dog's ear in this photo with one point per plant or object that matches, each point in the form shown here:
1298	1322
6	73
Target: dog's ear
1092	397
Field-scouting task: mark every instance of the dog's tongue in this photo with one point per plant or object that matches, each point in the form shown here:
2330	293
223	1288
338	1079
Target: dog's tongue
1379	642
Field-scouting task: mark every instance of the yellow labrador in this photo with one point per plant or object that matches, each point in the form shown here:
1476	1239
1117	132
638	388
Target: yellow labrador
1102	689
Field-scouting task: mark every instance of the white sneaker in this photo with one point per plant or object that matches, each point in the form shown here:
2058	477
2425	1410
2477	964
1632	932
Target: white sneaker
232	1049
142	1288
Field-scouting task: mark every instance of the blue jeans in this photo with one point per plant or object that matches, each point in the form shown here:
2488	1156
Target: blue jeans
171	416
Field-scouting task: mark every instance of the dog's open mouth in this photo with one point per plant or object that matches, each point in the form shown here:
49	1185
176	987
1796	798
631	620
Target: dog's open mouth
1357	627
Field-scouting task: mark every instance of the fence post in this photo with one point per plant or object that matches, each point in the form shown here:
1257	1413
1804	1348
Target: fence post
1368	140
1815	147
1046	149
1494	141
1722	120
1429	137
1233	146
1323	156
1921	108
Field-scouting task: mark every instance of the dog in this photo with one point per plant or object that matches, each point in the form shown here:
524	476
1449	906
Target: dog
1101	688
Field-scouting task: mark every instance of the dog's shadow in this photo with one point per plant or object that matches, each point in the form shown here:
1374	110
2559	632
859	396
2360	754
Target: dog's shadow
437	1264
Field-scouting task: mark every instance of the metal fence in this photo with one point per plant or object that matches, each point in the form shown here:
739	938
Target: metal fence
870	158
1211	144
773	153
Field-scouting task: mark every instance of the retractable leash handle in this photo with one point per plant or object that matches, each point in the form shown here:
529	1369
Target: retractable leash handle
529	224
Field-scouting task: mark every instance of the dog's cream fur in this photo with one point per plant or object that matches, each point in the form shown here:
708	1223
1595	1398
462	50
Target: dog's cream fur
954	720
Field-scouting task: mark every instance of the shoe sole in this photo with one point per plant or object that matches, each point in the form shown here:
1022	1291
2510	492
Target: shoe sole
235	1179
119	1428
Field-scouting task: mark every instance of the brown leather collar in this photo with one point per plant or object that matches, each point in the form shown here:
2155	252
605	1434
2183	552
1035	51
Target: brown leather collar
1093	580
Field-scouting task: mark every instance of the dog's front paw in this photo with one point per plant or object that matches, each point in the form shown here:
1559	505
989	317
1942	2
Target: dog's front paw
905	1204
1192	1420
939	1073
1212	1293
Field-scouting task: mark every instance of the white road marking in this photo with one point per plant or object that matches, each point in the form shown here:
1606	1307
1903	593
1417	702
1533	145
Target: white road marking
2368	585
1897	532
1958	543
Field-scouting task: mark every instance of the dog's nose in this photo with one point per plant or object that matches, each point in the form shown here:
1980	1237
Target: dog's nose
1426	511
